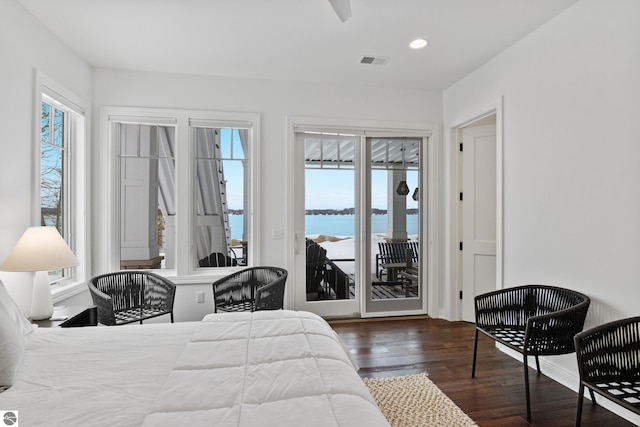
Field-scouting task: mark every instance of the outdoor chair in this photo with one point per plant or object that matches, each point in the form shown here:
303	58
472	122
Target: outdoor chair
337	280
609	363
217	259
316	268
131	296
534	320
395	253
250	289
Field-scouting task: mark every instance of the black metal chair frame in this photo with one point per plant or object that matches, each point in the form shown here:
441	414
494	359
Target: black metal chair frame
131	296
609	364
534	320
250	289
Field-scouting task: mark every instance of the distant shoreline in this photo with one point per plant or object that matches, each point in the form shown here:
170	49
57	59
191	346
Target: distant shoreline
336	222
347	211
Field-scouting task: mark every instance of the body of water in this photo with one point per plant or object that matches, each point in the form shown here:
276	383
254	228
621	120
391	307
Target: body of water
334	225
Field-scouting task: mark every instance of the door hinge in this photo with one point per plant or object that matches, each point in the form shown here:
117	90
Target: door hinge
461	147
461	196
460	294
460	245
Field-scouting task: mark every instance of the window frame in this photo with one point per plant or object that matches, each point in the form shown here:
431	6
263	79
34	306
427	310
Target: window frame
67	170
107	225
75	196
245	159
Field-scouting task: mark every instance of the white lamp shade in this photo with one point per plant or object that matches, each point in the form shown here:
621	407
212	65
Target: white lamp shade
40	249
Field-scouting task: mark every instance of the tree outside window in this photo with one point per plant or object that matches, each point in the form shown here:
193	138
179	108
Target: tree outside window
52	171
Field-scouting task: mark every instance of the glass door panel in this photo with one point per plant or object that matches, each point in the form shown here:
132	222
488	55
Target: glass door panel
330	225
330	217
394	277
329	234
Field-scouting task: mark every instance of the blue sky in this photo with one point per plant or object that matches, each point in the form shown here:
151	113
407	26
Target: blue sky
325	188
233	170
334	189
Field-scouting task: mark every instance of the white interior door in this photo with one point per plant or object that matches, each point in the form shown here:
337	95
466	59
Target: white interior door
478	215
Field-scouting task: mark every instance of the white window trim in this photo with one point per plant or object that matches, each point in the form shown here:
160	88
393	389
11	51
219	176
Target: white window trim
79	184
106	226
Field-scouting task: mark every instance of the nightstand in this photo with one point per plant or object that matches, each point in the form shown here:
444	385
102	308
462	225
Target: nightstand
69	316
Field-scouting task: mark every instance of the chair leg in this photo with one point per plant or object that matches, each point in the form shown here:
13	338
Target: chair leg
526	386
475	352
537	364
172	317
593	397
580	401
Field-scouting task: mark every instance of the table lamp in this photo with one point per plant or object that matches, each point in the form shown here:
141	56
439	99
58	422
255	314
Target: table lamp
40	249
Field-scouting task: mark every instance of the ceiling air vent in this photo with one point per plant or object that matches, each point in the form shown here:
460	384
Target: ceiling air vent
374	60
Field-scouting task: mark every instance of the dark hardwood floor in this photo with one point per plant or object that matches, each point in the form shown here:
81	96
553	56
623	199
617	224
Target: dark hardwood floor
494	398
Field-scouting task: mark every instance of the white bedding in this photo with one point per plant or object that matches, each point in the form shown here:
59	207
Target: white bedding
278	368
94	376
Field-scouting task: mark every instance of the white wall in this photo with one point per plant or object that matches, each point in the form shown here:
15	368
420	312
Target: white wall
25	45
274	101
571	155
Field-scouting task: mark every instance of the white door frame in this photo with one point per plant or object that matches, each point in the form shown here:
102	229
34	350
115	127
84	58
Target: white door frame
295	243
455	207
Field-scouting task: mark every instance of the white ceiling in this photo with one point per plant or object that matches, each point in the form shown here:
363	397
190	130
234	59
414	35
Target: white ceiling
299	40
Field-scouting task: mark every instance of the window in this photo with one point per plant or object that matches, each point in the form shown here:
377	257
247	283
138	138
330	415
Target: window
147	196
53	173
221	166
181	194
60	175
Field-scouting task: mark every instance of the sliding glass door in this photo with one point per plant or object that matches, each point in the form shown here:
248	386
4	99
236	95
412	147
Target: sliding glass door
357	222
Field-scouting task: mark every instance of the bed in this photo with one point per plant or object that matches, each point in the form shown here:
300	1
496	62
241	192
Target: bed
270	368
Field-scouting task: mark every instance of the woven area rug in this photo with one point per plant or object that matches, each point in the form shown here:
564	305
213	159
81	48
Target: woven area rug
414	400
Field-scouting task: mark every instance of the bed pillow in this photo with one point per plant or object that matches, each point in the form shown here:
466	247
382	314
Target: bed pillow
13	311
12	348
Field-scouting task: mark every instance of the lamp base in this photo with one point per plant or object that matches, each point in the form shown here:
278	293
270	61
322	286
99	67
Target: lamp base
41	302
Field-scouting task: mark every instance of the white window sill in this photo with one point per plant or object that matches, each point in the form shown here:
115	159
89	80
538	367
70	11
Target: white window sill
62	292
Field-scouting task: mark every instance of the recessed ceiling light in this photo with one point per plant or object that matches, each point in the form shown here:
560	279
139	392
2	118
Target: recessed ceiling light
418	44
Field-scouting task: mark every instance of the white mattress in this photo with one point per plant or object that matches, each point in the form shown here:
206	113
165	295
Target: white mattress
239	369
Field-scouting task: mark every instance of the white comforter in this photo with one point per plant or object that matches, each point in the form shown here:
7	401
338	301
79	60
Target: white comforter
95	376
278	368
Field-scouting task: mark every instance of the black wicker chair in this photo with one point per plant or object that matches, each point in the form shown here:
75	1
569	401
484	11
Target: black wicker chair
609	363
534	320
250	289
131	296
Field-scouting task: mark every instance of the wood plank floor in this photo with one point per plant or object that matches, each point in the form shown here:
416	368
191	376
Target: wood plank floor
495	398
